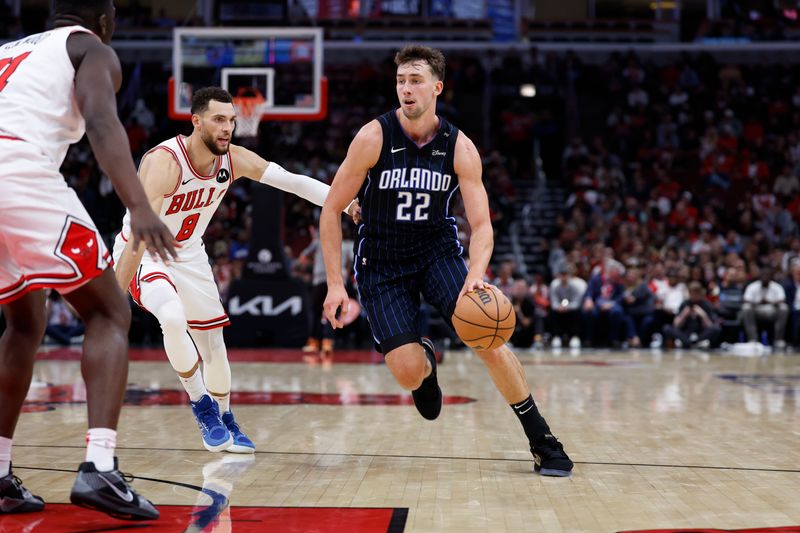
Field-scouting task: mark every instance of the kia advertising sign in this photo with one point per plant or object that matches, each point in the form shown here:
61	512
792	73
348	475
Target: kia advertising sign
266	313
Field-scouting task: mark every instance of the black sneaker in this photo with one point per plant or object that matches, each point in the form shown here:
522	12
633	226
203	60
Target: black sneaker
14	498
109	492
428	397
550	459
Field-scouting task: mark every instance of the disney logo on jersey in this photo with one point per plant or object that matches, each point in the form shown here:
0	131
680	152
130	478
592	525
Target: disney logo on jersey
196	199
418	178
438	152
223	175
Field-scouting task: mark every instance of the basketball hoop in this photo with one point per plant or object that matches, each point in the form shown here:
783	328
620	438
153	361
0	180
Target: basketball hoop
250	107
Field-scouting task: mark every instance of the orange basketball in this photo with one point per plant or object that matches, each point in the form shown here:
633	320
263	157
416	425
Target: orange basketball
484	319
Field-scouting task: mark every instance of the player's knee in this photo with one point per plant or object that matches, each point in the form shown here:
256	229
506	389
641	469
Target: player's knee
409	380
216	343
122	317
172	318
493	356
27	328
173	324
408	369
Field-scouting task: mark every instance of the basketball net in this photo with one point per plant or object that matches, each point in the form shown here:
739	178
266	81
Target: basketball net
250	107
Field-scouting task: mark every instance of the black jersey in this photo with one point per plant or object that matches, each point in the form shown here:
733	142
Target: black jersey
405	200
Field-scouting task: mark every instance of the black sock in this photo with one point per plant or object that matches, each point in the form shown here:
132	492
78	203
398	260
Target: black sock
532	422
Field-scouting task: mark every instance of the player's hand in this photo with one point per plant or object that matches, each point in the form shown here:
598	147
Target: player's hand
146	227
472	283
336	302
354	210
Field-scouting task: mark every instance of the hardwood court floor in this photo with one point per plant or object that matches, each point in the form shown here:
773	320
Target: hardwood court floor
660	440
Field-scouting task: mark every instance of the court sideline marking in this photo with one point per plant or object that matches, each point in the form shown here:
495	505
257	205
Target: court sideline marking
397	456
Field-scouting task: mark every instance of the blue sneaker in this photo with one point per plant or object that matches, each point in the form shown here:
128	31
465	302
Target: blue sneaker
241	442
216	436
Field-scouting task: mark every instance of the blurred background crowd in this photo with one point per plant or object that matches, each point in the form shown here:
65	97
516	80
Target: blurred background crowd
638	198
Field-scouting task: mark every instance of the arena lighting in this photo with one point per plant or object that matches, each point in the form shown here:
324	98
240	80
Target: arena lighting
663	5
527	90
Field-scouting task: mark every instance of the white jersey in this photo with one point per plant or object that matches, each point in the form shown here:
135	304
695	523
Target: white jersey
188	209
37	93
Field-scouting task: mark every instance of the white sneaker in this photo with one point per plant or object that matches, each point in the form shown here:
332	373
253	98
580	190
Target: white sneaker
657	341
678	343
575	342
556	342
704	344
780	345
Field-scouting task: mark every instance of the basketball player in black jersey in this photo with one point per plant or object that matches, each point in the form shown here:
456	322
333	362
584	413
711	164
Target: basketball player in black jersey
405	167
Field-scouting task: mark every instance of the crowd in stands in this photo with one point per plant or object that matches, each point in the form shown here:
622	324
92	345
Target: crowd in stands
683	208
682	182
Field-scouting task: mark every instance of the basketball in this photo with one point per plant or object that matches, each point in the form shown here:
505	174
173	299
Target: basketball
484	319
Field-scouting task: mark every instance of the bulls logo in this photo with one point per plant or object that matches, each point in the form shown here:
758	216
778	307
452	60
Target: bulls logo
79	245
223	175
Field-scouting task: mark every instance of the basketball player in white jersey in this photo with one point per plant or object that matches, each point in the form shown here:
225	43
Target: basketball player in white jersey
53	87
185	179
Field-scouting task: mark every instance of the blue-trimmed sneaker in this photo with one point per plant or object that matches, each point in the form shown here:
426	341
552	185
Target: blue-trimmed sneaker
241	442
216	436
14	498
428	397
109	492
550	459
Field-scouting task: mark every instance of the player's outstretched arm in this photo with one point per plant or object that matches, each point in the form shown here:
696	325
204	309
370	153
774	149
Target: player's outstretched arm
362	155
159	174
98	77
469	168
248	164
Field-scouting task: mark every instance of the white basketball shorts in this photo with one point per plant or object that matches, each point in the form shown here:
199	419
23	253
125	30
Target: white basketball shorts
47	239
190	277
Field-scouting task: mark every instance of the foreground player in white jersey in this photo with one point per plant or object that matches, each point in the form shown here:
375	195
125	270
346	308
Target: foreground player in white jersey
53	87
185	179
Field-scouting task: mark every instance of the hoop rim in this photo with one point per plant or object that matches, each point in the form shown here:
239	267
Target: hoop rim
319	115
250	105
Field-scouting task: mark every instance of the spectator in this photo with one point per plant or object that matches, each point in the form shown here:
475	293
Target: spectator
63	326
525	308
765	303
540	292
669	297
786	185
566	294
603	301
143	115
505	278
638	303
792	289
695	324
731	299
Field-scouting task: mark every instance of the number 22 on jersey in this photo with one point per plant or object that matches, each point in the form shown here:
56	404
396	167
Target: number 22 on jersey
413	206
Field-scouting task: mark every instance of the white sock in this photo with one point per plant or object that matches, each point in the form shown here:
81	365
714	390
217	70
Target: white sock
100	445
224	403
5	456
194	385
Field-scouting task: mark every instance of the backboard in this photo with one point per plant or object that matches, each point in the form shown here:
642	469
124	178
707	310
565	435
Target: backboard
283	64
